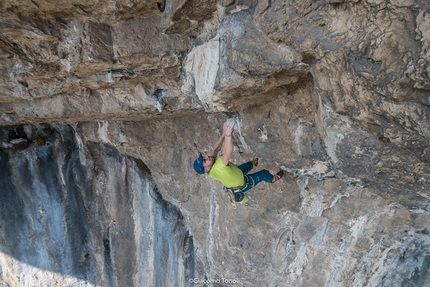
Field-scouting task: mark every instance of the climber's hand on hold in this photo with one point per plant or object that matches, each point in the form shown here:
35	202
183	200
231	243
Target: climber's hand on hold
228	126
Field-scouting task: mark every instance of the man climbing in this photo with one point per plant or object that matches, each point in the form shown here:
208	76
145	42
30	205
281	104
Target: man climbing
235	178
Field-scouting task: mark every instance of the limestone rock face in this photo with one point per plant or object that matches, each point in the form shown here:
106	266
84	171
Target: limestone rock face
102	106
92	216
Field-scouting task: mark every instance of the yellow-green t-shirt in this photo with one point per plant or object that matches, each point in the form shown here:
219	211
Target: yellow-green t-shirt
230	175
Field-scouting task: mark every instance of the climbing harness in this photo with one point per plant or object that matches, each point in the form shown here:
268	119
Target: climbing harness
237	194
161	5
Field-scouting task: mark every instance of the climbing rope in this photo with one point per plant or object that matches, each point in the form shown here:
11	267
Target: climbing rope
253	204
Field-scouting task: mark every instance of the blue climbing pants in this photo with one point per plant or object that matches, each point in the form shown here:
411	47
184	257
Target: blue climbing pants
251	180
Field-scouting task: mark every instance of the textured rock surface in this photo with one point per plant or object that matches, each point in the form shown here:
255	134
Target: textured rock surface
80	216
103	102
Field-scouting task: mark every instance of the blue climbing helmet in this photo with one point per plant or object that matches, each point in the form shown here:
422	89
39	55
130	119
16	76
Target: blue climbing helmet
198	165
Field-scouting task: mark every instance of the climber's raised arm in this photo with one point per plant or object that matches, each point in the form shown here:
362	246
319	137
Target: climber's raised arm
228	142
217	147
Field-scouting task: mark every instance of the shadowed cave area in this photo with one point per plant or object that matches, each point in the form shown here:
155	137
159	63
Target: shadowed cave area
82	212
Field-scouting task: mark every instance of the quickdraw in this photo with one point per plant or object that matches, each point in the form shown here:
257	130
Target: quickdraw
161	5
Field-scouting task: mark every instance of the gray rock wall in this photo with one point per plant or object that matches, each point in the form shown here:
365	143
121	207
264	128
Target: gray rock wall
78	215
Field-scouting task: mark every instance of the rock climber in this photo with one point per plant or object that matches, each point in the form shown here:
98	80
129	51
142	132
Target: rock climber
235	179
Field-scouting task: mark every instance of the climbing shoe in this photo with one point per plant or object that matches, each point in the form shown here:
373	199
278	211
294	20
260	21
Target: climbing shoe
278	176
161	5
240	197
